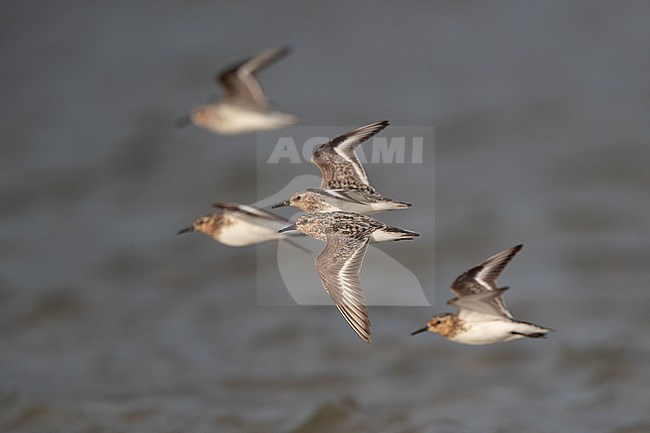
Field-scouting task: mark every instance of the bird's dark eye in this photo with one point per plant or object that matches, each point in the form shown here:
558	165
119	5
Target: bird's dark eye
297	197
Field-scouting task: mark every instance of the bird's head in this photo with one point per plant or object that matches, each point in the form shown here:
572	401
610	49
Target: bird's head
208	224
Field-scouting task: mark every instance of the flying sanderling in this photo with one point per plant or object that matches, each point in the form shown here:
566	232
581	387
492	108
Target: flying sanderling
347	236
344	185
243	108
483	317
241	225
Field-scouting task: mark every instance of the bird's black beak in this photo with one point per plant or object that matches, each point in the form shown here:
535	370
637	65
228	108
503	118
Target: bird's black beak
185	230
183	121
292	227
420	330
281	204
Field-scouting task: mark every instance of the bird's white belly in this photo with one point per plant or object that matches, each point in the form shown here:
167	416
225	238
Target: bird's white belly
337	204
234	119
488	333
347	206
244	233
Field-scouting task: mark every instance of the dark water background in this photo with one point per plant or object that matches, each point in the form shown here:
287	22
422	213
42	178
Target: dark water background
111	323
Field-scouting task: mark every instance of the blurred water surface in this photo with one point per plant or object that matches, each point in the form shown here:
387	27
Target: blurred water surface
109	322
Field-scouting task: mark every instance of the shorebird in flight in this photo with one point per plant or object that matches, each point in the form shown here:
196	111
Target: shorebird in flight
347	236
483	317
243	107
344	185
241	225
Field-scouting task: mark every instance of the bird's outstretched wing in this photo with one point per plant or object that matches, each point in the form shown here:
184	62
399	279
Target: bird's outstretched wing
239	81
338	162
338	266
482	278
